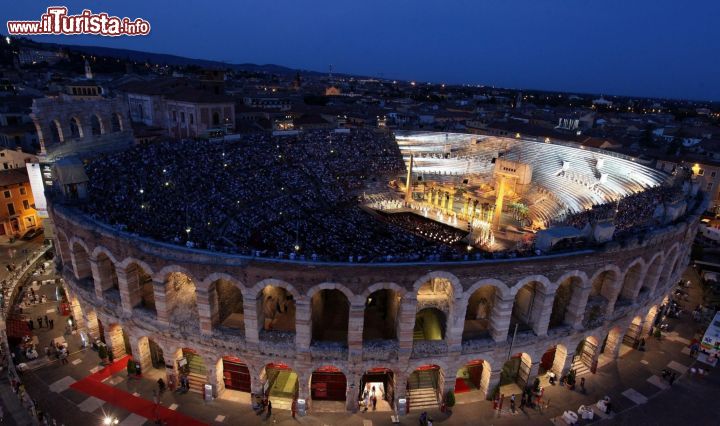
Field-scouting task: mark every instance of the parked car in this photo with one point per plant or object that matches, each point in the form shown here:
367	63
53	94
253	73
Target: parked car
31	234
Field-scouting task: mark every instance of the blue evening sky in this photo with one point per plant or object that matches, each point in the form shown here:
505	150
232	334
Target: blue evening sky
663	48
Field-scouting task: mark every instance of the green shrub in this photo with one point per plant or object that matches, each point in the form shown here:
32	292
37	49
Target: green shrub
450	399
131	367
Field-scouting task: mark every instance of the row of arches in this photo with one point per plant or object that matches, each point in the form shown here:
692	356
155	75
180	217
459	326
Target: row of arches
422	385
76	129
438	312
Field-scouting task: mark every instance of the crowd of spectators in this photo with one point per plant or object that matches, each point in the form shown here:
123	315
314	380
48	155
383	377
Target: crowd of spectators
291	197
629	212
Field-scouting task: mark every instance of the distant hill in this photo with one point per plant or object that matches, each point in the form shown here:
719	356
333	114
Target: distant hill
163	58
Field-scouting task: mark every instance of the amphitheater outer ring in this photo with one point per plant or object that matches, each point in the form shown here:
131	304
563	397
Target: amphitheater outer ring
656	259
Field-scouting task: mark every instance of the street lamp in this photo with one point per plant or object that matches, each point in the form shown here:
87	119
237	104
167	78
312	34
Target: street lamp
110	420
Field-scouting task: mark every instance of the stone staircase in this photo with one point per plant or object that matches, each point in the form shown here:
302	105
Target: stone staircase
198	374
418	335
580	368
422	393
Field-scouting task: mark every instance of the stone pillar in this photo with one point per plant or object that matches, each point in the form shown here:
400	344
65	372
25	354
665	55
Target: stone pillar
576	309
91	323
141	352
162	304
81	269
456	325
541	311
494	382
400	386
303	332
500	317
450	202
534	370
204	305
114	340
129	290
250	317
219	382
561	366
256	387
406	323
351	395
614	341
355	330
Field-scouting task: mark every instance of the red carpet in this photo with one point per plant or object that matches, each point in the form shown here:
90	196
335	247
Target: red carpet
461	386
93	386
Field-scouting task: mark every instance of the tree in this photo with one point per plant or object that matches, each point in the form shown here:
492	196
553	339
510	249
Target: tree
450	399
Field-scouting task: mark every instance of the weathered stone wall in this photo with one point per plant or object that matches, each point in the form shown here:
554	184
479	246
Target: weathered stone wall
661	255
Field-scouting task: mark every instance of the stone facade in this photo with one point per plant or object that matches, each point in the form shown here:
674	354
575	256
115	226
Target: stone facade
623	282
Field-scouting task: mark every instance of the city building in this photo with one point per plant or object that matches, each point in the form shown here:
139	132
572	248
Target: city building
17	213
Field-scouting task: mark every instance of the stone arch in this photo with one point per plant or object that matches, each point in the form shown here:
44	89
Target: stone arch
163	274
517	369
652	274
225	301
473	374
480	302
603	291
116	123
268	294
105	274
260	285
76	129
330	312
383	286
235	374
96	125
454	281
180	298
632	280
381	311
568	299
331	286
64	247
528	304
56	133
668	263
80	258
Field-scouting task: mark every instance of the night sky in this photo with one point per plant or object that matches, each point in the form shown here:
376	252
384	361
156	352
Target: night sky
660	48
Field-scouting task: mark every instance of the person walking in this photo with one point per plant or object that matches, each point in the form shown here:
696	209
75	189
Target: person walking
269	408
39	320
52	323
293	408
374	402
31	324
512	403
523	400
47	324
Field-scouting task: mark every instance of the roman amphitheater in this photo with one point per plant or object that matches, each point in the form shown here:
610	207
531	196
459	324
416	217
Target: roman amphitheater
542	285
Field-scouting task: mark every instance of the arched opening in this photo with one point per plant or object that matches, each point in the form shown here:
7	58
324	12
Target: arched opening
424	386
612	343
141	290
561	302
526	308
116	122
96	125
192	365
75	128
380	319
668	265
430	324
81	267
434	307
477	316
553	360
227	314
117	340
181	299
276	313
328	387
651	277
56	135
381	383
235	378
630	283
281	385
515	374
64	250
473	377
330	316
586	355
151	358
107	275
600	295
633	334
